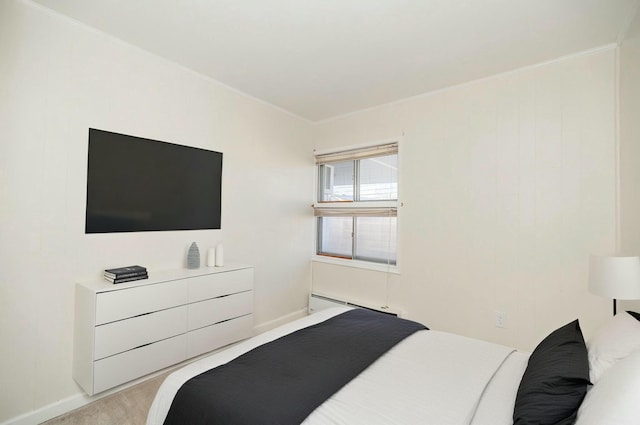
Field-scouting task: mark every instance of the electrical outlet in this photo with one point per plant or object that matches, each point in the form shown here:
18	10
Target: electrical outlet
500	319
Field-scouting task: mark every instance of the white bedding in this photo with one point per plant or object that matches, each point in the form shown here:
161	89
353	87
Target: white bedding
429	378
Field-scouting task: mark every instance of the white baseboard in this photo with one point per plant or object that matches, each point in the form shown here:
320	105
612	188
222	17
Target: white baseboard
279	321
52	410
47	412
79	400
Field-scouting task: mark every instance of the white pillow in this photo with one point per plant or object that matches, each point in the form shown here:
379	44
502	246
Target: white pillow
612	343
614	399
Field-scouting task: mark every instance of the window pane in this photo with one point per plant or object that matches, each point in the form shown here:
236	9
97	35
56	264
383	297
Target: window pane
335	236
379	178
376	239
336	182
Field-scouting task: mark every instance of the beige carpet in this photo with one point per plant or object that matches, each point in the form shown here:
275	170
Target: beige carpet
127	407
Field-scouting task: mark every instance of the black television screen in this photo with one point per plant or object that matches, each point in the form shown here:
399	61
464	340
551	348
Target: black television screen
138	185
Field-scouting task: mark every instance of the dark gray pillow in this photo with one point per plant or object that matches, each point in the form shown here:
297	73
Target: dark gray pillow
555	380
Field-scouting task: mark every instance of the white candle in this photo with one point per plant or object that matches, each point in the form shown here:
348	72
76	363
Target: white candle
219	256
211	257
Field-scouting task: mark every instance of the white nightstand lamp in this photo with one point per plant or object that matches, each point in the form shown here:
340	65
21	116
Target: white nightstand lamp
615	277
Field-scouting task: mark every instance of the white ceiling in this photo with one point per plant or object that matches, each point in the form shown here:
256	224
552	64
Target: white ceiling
323	58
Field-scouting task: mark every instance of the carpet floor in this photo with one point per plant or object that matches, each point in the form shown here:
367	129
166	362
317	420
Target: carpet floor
126	407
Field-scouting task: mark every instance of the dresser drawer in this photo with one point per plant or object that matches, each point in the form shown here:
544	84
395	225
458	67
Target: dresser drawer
129	302
116	337
208	312
133	364
215	336
218	284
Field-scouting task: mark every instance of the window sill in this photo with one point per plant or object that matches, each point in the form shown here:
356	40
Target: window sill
357	264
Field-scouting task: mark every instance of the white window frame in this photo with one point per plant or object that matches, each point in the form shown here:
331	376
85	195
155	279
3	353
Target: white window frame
357	263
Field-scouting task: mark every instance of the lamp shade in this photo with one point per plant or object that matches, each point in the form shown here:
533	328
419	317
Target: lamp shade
615	277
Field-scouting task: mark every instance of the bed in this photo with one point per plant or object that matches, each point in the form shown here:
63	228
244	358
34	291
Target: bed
426	377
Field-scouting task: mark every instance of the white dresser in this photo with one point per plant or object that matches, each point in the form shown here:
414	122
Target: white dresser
128	330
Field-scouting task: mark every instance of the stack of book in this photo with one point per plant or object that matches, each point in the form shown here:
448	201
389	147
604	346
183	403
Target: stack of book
126	274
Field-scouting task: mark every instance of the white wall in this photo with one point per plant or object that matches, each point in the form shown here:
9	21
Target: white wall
630	140
630	145
508	184
57	79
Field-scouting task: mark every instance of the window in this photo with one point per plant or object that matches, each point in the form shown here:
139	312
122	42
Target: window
356	205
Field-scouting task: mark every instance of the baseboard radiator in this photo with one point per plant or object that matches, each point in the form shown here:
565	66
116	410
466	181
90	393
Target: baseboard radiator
319	302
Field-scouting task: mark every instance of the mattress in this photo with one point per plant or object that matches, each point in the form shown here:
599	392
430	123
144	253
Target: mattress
431	377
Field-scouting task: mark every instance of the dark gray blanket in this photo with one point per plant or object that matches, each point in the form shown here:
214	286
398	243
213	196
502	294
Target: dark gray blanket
283	381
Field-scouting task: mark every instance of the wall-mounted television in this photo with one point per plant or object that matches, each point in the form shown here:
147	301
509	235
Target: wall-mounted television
137	185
